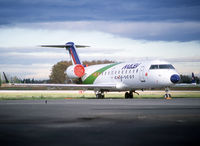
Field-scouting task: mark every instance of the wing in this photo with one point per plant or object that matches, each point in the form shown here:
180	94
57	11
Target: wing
70	86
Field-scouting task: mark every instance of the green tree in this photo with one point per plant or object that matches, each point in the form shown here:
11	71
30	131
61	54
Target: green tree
58	72
15	79
185	79
188	79
197	80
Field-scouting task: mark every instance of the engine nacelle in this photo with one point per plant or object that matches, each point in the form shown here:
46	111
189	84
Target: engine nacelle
75	71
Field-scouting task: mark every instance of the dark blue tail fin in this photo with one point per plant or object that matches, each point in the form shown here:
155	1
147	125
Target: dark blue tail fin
73	53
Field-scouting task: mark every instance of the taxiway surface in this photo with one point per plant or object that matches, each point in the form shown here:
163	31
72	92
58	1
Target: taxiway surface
100	122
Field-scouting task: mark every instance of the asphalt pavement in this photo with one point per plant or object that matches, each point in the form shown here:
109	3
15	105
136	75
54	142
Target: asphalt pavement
100	122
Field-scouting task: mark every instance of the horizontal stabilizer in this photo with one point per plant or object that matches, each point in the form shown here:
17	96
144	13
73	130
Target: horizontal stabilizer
71	47
64	46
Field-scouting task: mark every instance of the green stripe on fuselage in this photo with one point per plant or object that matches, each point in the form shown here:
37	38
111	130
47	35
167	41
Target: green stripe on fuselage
90	79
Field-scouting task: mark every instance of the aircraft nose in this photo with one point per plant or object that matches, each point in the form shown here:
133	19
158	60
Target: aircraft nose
175	78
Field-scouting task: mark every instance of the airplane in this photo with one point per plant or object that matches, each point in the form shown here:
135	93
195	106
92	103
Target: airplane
127	76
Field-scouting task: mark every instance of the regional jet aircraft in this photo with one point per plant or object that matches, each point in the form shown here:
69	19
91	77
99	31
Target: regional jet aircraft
128	76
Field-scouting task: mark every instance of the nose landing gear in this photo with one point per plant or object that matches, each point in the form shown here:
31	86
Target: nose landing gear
167	95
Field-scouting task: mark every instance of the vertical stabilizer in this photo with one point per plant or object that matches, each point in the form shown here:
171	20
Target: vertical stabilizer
73	53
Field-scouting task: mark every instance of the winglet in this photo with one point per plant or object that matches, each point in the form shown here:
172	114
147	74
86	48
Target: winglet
5	77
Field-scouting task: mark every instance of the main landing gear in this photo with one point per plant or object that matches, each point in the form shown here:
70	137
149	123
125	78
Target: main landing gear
100	94
167	95
129	95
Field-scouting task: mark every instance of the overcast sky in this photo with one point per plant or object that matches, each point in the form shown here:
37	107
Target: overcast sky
119	30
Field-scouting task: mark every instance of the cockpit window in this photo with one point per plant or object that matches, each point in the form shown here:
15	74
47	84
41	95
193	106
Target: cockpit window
154	67
162	66
166	66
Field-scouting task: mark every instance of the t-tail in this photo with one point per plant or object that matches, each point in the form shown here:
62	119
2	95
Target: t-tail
73	53
71	47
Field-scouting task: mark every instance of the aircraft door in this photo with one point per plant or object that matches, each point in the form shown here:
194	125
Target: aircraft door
142	74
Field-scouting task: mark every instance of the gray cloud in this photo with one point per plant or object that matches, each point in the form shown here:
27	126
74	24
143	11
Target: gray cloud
31	56
26	56
180	18
167	31
185	59
12	11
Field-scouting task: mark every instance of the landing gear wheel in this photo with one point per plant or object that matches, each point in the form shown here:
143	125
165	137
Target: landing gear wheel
168	96
100	95
131	95
128	95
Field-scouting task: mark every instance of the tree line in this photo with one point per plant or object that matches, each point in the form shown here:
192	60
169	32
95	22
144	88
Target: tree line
188	79
15	79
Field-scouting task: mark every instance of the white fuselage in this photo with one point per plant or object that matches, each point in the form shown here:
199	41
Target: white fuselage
130	75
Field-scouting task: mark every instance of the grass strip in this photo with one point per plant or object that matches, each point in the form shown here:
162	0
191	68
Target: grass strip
46	95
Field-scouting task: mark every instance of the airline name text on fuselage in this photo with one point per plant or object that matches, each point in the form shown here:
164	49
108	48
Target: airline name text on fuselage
131	66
